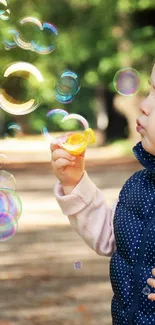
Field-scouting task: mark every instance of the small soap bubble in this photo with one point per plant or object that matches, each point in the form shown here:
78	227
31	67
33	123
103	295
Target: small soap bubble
78	265
4	10
67	87
8	226
13	131
3	160
19	91
127	81
7	180
146	291
67	84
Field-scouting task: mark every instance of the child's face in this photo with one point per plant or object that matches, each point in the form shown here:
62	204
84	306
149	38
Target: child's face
147	119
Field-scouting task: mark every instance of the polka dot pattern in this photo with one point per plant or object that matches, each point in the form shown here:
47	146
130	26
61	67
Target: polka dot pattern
132	263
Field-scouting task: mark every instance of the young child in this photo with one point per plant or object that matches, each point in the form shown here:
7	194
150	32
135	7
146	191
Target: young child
127	231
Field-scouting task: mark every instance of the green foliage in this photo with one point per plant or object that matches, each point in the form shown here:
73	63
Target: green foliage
96	38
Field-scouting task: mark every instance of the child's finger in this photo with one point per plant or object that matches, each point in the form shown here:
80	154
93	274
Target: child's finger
151	296
61	162
61	153
151	282
153	272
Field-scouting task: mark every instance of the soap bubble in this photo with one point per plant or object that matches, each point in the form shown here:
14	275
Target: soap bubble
14	201
8	226
127	81
34	35
67	87
146	291
4	10
23	37
3	160
78	265
68	84
13	131
39	46
19	91
7	180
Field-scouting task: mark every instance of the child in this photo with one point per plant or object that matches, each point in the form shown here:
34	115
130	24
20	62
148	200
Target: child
126	232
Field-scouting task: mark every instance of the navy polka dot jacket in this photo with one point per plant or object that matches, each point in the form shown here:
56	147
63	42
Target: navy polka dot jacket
132	263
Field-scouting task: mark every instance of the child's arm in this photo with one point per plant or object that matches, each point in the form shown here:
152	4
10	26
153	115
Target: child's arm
88	214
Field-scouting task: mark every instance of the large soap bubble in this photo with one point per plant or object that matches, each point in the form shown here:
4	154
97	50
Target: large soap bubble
19	88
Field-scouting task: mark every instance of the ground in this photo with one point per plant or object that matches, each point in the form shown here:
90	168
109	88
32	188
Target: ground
38	281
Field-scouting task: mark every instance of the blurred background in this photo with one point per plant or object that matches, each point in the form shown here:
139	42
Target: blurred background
96	38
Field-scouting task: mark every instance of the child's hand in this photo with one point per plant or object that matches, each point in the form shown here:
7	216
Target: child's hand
151	282
67	168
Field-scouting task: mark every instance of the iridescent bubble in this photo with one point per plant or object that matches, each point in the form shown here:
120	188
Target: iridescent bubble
78	265
4	10
24	37
19	91
13	131
3	160
67	87
7	180
35	35
8	226
68	84
14	201
146	291
127	81
53	115
48	29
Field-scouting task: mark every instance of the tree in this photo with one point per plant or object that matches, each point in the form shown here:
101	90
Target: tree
96	38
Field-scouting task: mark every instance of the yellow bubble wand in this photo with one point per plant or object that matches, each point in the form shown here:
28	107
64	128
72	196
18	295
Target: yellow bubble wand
76	143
